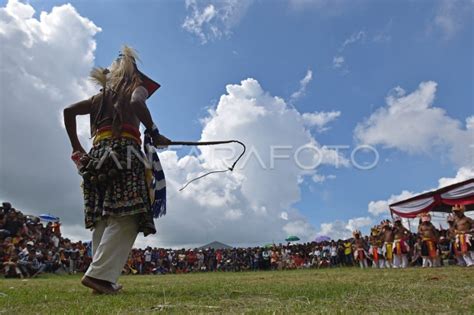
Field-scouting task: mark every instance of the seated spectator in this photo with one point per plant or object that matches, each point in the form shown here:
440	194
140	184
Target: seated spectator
11	268
30	265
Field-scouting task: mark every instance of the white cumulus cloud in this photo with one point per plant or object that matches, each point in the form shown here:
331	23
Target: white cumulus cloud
253	204
45	64
302	89
464	173
340	229
320	119
410	123
213	19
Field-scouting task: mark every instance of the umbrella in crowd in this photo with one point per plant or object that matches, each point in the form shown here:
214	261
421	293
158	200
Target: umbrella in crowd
322	238
48	218
292	238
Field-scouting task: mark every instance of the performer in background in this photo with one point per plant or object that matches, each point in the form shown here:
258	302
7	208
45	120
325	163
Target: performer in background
375	250
451	235
464	231
429	239
117	181
360	254
400	244
387	236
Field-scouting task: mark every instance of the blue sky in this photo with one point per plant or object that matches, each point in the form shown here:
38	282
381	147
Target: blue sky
384	44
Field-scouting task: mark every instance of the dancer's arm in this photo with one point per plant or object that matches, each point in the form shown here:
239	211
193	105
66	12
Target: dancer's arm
70	113
141	110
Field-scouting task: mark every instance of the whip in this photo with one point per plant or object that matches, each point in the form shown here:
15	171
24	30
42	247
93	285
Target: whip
202	143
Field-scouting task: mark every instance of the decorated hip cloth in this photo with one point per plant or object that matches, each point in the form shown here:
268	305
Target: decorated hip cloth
400	247
428	248
121	182
463	243
374	252
388	250
360	254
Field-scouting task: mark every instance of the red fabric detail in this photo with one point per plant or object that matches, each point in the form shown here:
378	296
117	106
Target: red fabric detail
410	215
469	200
360	254
375	254
150	85
401	247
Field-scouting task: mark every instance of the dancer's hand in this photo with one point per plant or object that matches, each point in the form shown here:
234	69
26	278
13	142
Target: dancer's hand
161	141
80	158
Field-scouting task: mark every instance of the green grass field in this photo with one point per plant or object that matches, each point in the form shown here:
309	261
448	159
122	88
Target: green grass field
349	290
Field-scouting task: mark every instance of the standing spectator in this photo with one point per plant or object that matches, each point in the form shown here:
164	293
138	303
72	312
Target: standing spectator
147	264
191	259
348	258
182	261
333	251
200	260
73	259
55	240
13	224
266	259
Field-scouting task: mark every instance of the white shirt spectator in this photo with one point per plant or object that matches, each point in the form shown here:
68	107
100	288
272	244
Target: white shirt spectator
147	256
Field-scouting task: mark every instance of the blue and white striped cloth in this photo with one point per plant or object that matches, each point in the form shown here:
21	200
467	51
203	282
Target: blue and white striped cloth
158	183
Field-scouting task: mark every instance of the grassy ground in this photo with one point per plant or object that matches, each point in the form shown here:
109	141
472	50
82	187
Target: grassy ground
348	290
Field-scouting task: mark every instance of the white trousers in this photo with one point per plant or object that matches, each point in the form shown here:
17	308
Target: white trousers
380	264
468	258
363	263
112	240
428	262
400	261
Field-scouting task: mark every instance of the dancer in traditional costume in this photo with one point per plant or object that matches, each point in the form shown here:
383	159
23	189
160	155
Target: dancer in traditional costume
400	244
123	192
375	249
451	235
464	231
429	237
360	254
387	236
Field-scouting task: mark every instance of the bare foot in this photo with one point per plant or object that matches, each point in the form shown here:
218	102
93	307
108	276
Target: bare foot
98	285
117	287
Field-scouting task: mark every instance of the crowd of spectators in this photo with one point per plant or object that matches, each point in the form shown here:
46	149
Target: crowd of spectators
29	247
276	257
326	254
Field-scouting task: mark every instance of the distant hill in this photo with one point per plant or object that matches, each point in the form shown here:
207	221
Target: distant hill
216	245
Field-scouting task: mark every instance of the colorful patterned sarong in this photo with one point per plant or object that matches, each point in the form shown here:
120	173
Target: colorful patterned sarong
463	243
359	254
374	251
428	248
388	251
127	193
400	247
